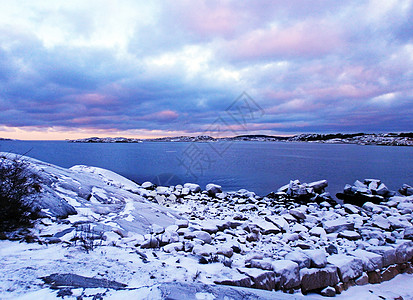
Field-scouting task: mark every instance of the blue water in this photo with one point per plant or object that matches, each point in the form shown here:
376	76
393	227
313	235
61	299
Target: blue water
261	167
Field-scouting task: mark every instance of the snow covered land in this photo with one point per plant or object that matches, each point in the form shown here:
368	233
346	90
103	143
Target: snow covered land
103	236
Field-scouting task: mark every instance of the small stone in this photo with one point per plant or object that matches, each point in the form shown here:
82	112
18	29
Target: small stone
328	292
362	280
350	235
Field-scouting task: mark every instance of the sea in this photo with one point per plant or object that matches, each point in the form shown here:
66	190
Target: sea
261	167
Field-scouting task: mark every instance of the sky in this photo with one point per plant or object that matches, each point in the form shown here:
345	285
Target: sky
74	69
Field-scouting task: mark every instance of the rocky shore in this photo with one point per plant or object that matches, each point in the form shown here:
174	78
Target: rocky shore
296	240
382	139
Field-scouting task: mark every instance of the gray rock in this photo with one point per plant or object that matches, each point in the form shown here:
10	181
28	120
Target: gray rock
151	242
173	247
147	185
371	261
351	209
328	292
300	258
362	280
408	233
380	222
264	280
338	225
76	281
350	235
388	253
297	214
213	189
348	267
194	188
312	279
289	273
318	258
202	235
404	251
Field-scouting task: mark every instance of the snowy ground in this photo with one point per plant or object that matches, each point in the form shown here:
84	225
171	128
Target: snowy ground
120	209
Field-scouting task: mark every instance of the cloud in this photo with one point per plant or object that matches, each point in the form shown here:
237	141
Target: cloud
175	67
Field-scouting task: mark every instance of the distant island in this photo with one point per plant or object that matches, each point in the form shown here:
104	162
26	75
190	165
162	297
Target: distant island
382	139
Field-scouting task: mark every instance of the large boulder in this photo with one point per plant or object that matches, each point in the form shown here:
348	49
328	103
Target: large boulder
194	188
338	225
312	279
213	189
370	261
264	280
289	273
348	267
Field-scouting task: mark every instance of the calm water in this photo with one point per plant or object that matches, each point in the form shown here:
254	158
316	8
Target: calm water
261	167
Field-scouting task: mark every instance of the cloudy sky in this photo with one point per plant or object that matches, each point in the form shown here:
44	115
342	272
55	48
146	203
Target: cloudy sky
72	69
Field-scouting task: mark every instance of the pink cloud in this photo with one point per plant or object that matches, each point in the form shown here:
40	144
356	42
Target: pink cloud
310	38
161	116
208	18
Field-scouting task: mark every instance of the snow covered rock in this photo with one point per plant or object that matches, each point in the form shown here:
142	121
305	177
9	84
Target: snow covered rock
194	188
338	225
213	189
347	267
388	253
318	258
289	273
264	280
312	279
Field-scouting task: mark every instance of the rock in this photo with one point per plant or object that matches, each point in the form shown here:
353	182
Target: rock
408	233
203	250
297	214
388	253
373	208
202	235
173	247
406	190
347	267
351	209
300	258
148	185
374	277
331	249
328	292
77	281
259	264
350	235
370	261
226	251
289	273
182	223
389	273
264	280
151	242
185	191
280	222
194	188
299	228
404	251
317	257
362	280
213	189
318	186
318	231
338	225
380	222
312	279
234	279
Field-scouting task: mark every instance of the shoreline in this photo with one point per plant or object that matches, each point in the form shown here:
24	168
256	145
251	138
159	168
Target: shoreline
296	241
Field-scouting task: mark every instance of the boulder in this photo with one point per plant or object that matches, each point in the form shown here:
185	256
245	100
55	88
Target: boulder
148	185
350	235
289	273
300	258
194	188
204	250
370	261
406	190
317	257
202	235
328	292
348	267
404	251
264	280
312	279
213	189
233	279
338	225
173	247
318	186
388	253
297	214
